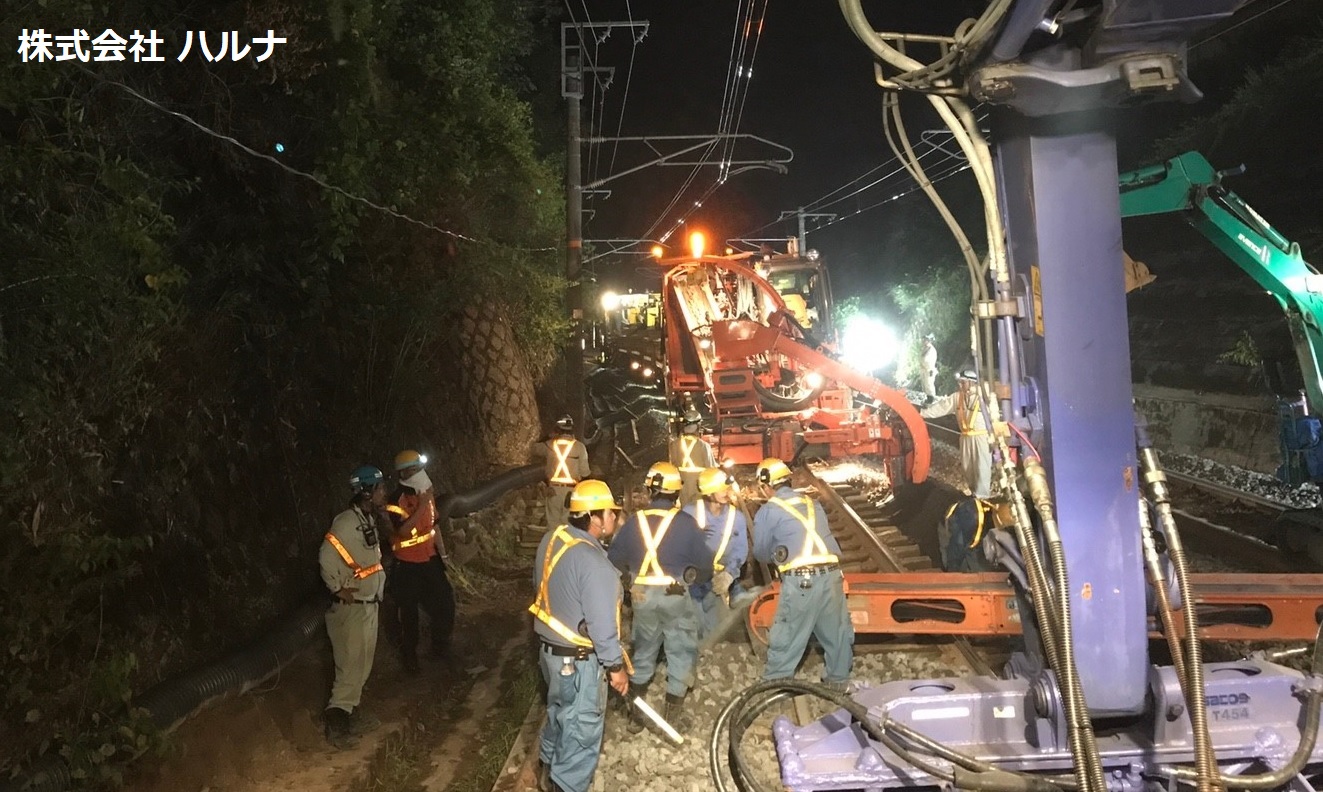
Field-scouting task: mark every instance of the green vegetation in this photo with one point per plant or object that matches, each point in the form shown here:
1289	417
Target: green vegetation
196	345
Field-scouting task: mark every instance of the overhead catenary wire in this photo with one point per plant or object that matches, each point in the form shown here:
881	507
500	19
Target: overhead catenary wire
310	177
629	75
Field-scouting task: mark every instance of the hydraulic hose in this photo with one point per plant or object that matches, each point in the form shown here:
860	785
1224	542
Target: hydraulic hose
1156	482
1080	727
173	701
1158	579
1281	776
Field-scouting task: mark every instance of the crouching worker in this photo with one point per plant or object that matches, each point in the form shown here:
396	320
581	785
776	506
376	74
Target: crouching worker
960	534
577	620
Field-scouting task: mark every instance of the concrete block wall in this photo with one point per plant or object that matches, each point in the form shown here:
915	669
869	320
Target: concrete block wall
1227	428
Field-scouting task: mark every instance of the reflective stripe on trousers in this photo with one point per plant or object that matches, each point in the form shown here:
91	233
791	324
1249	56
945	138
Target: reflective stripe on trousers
576	717
819	611
353	632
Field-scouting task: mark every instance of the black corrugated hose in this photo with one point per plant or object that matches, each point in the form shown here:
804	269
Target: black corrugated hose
172	702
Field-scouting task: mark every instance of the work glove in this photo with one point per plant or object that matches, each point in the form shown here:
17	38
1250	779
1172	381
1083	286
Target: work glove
721	583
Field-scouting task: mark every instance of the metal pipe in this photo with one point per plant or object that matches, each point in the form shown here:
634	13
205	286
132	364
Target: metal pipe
1205	759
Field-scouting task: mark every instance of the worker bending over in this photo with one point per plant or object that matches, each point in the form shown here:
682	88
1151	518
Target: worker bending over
725	532
975	445
790	531
577	620
691	454
662	552
567	465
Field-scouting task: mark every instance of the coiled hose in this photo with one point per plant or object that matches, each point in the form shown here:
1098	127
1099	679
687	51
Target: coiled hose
173	701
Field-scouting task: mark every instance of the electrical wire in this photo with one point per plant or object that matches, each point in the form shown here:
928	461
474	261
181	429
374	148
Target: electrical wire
310	177
629	75
1245	21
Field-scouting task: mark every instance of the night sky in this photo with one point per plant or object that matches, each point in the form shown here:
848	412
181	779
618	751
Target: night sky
812	90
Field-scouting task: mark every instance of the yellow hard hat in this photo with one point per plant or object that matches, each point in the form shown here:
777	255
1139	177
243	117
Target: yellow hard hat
591	495
663	476
712	481
772	470
408	459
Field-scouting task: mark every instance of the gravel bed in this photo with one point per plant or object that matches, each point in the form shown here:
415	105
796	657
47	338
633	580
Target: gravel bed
1304	496
648	762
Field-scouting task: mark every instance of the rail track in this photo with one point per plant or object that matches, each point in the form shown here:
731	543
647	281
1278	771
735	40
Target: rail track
873	538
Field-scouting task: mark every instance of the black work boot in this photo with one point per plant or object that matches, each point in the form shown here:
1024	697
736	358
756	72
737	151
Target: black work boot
674	712
410	663
361	722
339	732
637	720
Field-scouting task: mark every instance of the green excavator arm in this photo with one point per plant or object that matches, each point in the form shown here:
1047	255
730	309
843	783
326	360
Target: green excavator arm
1189	185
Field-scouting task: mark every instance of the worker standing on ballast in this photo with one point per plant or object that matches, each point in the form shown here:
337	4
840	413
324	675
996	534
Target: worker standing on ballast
567	464
662	551
790	531
691	454
577	620
726	533
975	441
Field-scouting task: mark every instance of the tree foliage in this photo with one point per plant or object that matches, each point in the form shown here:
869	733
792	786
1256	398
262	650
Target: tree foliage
196	344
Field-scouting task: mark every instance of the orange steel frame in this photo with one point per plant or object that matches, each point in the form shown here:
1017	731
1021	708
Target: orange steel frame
738	340
1232	607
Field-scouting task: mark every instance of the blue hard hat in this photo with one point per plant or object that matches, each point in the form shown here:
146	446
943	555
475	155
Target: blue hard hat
365	478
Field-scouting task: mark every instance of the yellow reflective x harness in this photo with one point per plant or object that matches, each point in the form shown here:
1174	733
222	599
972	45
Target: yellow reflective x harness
359	572
541	608
981	508
687	445
726	532
414	537
814	550
650	571
970	417
561	448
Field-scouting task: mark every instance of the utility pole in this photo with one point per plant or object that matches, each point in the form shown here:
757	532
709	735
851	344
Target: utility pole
803	232
572	73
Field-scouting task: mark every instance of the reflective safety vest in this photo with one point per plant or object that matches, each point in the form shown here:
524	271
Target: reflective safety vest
814	550
415	538
561	447
701	513
561	540
969	413
360	572
650	571
541	607
687	445
981	507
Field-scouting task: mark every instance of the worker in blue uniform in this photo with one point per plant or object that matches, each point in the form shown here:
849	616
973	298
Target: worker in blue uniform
661	551
726	533
790	531
577	620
